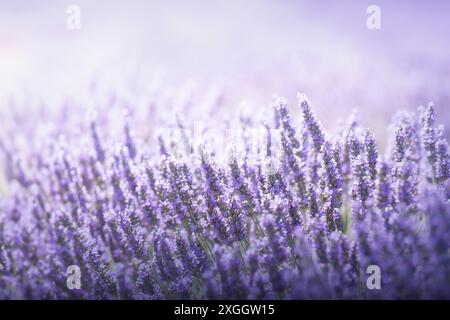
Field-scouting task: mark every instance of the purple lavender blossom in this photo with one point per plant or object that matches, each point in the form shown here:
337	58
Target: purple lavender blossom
371	154
442	161
429	136
362	189
311	123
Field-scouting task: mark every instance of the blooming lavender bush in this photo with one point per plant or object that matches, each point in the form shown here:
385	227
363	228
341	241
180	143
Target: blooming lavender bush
170	221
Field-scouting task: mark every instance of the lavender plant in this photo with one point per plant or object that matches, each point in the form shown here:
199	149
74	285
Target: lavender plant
144	221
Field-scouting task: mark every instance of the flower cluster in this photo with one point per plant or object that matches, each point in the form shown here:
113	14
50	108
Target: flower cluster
144	224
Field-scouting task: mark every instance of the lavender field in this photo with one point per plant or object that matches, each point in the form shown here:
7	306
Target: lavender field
201	181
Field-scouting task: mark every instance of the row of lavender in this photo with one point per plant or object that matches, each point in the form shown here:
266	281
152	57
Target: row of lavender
142	227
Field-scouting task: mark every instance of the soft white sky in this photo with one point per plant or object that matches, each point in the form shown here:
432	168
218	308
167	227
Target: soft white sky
255	48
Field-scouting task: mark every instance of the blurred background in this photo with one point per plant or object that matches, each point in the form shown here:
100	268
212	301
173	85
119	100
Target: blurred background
239	52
